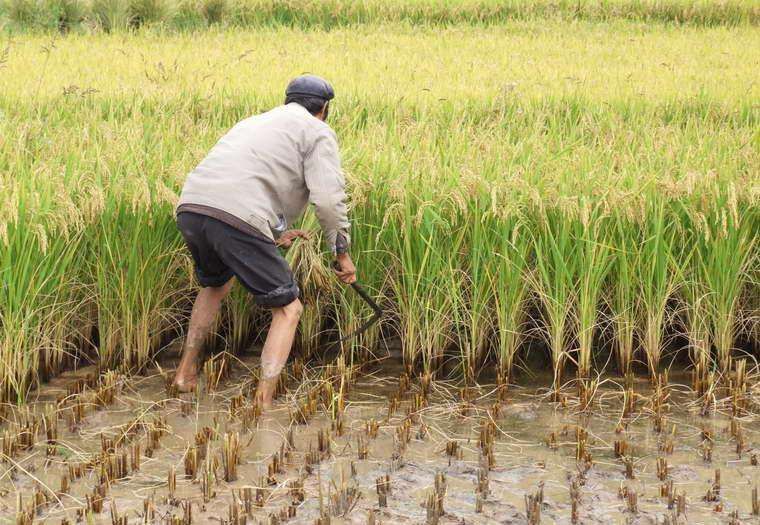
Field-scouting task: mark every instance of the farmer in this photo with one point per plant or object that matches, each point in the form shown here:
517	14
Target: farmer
235	210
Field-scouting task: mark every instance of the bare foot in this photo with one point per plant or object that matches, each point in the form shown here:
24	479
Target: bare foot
265	392
186	379
186	385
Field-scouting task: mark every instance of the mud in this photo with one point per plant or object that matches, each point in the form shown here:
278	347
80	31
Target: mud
535	443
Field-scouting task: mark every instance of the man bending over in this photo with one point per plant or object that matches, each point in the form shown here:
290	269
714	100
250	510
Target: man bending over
235	210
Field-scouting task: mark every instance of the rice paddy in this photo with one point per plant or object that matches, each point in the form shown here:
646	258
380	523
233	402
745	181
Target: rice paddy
556	205
375	445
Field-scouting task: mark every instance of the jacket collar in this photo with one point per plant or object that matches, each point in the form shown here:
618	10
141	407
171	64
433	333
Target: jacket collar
298	108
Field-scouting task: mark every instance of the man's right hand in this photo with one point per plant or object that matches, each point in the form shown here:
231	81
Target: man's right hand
344	268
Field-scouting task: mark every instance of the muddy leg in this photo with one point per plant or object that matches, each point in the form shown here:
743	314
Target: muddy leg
205	309
276	349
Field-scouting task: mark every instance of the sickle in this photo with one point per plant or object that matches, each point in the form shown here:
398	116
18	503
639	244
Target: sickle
378	312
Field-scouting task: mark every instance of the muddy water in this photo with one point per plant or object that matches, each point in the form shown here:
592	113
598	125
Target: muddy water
523	460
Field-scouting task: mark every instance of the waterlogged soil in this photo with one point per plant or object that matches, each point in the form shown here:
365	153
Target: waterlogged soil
525	455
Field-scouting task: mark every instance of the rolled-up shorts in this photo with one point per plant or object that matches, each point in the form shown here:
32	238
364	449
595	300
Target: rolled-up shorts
220	252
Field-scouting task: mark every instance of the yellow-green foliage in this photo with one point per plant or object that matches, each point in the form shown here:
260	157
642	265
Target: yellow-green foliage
485	163
116	15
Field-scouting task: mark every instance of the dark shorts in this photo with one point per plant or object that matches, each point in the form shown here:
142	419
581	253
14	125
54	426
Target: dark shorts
221	251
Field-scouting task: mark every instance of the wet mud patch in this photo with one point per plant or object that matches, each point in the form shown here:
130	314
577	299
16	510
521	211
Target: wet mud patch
369	446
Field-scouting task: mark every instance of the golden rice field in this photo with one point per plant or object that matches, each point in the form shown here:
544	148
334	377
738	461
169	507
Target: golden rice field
555	202
545	192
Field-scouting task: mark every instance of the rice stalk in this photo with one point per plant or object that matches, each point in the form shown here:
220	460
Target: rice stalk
622	300
240	315
725	248
37	307
655	279
136	271
477	301
427	286
555	283
508	269
595	260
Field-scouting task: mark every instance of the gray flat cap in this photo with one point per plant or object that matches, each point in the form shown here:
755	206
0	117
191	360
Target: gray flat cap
310	86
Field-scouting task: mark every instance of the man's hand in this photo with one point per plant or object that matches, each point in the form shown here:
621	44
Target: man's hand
344	268
286	239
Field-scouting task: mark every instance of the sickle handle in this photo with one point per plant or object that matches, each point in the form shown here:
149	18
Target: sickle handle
378	312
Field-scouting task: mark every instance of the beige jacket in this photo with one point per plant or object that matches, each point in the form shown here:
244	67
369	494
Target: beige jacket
266	169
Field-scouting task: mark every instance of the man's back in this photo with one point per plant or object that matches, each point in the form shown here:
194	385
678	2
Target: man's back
264	169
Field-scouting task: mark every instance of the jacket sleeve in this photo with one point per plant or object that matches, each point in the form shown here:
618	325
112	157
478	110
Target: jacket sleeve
326	185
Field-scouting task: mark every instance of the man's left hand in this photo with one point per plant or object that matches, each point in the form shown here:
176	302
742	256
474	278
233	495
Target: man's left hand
286	239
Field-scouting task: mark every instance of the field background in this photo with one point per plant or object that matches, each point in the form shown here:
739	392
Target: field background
578	181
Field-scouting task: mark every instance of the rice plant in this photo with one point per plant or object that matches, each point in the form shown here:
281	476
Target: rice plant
22	12
351	312
38	306
622	295
427	286
696	321
724	242
478	297
508	269
144	12
316	285
240	316
555	282
656	279
213	11
68	14
136	267
111	15
595	260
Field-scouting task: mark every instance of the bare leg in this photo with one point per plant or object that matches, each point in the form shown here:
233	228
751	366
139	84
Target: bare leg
206	307
280	337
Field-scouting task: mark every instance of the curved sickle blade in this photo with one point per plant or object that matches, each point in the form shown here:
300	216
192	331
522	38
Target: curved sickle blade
372	320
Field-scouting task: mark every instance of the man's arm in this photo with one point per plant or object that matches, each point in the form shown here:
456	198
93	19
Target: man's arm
327	187
327	192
